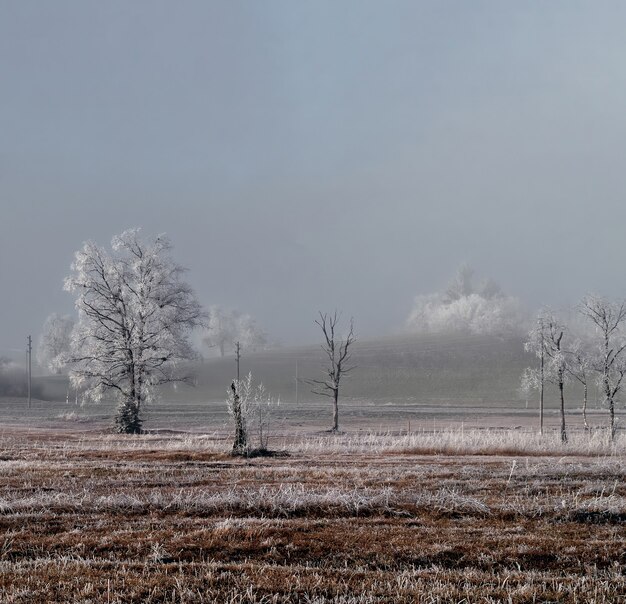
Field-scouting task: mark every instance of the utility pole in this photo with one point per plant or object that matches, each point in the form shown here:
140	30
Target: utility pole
238	357
543	348
296	381
29	352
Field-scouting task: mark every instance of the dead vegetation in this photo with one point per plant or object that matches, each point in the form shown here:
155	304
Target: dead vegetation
102	518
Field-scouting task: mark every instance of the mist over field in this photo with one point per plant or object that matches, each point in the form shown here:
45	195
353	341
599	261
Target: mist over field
312	157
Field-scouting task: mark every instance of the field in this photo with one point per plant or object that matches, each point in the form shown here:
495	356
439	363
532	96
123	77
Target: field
439	489
472	516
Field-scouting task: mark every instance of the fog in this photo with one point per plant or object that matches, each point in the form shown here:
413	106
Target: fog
313	156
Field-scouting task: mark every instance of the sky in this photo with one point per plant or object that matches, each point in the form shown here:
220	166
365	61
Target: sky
307	156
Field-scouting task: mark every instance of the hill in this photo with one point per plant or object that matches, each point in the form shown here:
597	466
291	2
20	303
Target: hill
424	379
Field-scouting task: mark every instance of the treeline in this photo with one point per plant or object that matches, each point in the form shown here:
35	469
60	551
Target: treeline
591	351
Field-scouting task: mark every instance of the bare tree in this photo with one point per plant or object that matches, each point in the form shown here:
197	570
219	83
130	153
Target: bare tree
337	350
135	314
610	360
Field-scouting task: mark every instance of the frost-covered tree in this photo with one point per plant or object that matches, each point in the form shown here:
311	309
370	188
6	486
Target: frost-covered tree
226	327
609	360
135	313
533	378
580	367
53	348
530	381
249	334
220	331
557	367
466	307
338	357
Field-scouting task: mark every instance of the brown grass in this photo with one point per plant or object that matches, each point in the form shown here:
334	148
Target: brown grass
99	518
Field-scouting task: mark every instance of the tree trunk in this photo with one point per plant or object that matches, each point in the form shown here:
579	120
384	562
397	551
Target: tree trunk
586	425
607	388
127	420
610	402
541	396
612	418
240	445
335	410
563	431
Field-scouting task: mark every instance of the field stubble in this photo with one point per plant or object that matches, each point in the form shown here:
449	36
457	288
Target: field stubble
455	516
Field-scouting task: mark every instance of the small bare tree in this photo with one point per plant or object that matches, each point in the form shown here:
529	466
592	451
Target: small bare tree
610	362
337	350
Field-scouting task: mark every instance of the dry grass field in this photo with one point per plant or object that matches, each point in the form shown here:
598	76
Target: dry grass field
440	490
455	516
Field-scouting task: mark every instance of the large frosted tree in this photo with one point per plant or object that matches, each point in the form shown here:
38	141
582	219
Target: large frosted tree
135	314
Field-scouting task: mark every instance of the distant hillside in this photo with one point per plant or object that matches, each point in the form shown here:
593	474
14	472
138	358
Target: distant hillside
423	381
417	369
425	369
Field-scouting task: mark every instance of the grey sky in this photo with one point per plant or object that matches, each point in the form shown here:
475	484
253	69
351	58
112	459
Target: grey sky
313	155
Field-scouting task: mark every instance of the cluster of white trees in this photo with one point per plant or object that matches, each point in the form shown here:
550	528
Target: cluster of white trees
467	306
224	328
592	354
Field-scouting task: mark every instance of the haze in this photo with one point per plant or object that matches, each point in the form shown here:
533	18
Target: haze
307	156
